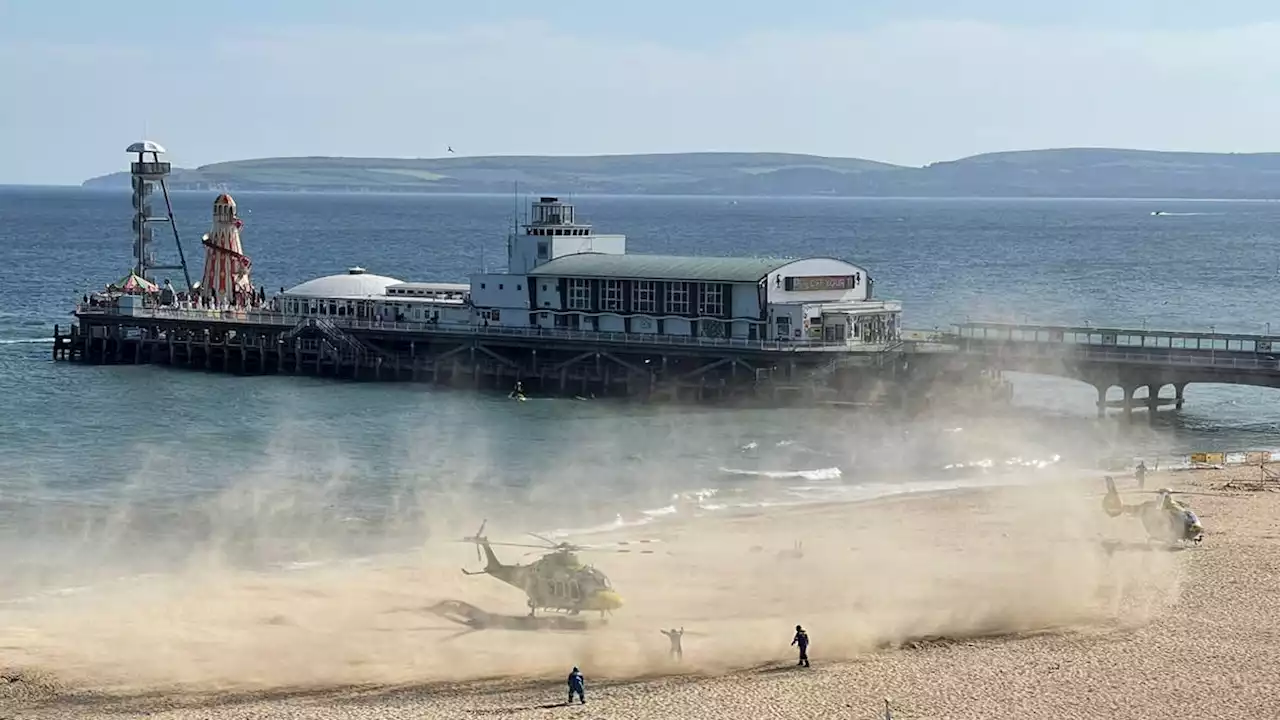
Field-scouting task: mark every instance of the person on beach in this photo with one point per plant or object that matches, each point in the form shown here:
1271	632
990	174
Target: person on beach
674	636
802	639
577	685
1140	473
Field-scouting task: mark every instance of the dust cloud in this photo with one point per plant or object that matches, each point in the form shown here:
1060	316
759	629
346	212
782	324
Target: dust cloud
349	607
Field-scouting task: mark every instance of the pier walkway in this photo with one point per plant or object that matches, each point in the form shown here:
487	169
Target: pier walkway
1136	361
1129	359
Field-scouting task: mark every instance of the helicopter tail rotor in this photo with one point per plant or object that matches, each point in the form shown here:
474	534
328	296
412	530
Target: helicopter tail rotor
478	539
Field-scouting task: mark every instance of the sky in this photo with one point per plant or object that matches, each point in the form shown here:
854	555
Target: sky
902	81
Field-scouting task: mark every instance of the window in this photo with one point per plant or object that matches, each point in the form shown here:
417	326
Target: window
677	298
612	299
542	250
579	294
643	297
712	300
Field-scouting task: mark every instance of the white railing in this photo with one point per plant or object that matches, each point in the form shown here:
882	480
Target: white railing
255	317
1192	358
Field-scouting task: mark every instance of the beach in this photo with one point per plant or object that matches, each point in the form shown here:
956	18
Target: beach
1000	602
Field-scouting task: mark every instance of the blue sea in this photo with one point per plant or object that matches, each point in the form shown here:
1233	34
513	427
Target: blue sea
106	471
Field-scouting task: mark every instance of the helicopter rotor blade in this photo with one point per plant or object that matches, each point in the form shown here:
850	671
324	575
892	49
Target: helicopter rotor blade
546	540
479	541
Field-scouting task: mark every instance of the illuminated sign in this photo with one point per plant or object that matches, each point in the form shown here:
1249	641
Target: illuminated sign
819	283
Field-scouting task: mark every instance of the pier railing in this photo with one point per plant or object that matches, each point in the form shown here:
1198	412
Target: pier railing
1143	347
254	317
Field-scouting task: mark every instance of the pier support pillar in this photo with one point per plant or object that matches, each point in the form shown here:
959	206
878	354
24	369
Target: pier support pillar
1153	402
1102	399
1129	391
1179	393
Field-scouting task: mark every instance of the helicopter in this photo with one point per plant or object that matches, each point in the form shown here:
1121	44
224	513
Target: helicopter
1164	518
556	581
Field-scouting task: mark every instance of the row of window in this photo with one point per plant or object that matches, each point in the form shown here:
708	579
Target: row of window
580	232
682	298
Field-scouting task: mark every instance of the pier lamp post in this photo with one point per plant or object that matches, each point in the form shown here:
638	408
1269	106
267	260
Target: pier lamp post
1268	329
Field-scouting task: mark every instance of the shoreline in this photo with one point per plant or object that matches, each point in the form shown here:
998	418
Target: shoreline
735	666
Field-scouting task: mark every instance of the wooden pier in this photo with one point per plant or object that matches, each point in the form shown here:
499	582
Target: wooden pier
913	372
540	362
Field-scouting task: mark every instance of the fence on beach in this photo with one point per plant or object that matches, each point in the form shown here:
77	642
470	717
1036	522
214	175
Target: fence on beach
1193	461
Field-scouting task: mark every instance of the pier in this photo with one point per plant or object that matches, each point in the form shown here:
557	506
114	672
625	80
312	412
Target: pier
575	314
1133	360
588	363
545	361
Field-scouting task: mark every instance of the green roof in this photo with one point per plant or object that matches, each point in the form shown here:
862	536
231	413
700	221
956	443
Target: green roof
661	267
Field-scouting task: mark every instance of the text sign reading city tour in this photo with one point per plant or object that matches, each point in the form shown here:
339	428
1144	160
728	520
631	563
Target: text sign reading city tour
822	282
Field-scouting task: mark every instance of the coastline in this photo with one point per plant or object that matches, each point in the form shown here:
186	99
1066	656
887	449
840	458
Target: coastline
1041	623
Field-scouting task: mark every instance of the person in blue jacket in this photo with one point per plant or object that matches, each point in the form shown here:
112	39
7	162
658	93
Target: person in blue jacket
802	639
577	685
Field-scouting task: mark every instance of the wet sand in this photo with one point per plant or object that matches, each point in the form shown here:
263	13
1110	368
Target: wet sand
994	603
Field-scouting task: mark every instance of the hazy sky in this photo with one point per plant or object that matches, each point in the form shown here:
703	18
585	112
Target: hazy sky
906	81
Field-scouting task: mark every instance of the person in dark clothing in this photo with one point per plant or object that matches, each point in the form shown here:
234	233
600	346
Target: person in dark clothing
577	685
802	640
674	636
1140	473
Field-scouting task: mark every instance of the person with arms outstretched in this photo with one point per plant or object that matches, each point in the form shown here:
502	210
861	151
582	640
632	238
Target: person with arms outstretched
674	636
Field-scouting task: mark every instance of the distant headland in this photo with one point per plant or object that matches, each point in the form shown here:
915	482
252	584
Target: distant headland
1069	172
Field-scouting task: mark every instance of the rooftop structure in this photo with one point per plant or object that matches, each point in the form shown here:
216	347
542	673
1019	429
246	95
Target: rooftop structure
354	284
660	267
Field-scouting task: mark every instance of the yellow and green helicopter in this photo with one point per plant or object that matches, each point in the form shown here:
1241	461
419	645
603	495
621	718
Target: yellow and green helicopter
558	580
1164	518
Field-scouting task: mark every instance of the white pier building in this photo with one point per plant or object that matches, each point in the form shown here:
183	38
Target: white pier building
562	275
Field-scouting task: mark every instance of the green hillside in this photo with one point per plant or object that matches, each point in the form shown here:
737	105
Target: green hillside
1076	172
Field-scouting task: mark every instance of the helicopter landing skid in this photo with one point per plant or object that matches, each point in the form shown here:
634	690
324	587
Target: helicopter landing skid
473	617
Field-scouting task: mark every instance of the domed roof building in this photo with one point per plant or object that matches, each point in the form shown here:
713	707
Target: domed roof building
355	284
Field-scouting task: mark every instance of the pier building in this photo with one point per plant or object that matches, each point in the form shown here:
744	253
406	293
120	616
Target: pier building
563	276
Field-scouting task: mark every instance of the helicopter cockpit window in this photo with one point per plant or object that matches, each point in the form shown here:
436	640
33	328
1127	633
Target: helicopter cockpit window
575	592
596	579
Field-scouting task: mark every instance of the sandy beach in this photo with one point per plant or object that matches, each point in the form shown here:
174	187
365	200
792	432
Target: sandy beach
992	603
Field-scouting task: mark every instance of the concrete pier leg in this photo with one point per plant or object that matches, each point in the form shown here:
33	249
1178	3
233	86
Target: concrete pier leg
1128	400
1102	399
1153	402
1179	390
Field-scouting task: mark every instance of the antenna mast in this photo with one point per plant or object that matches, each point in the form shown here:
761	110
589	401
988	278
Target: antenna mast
146	174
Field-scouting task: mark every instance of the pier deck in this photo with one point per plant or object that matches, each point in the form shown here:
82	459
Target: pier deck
546	361
1125	358
571	362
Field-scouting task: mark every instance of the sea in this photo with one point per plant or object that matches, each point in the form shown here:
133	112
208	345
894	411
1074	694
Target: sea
111	471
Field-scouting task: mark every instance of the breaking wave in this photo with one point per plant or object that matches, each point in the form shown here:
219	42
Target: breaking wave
830	473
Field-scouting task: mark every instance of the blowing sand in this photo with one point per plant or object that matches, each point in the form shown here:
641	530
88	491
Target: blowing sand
996	603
